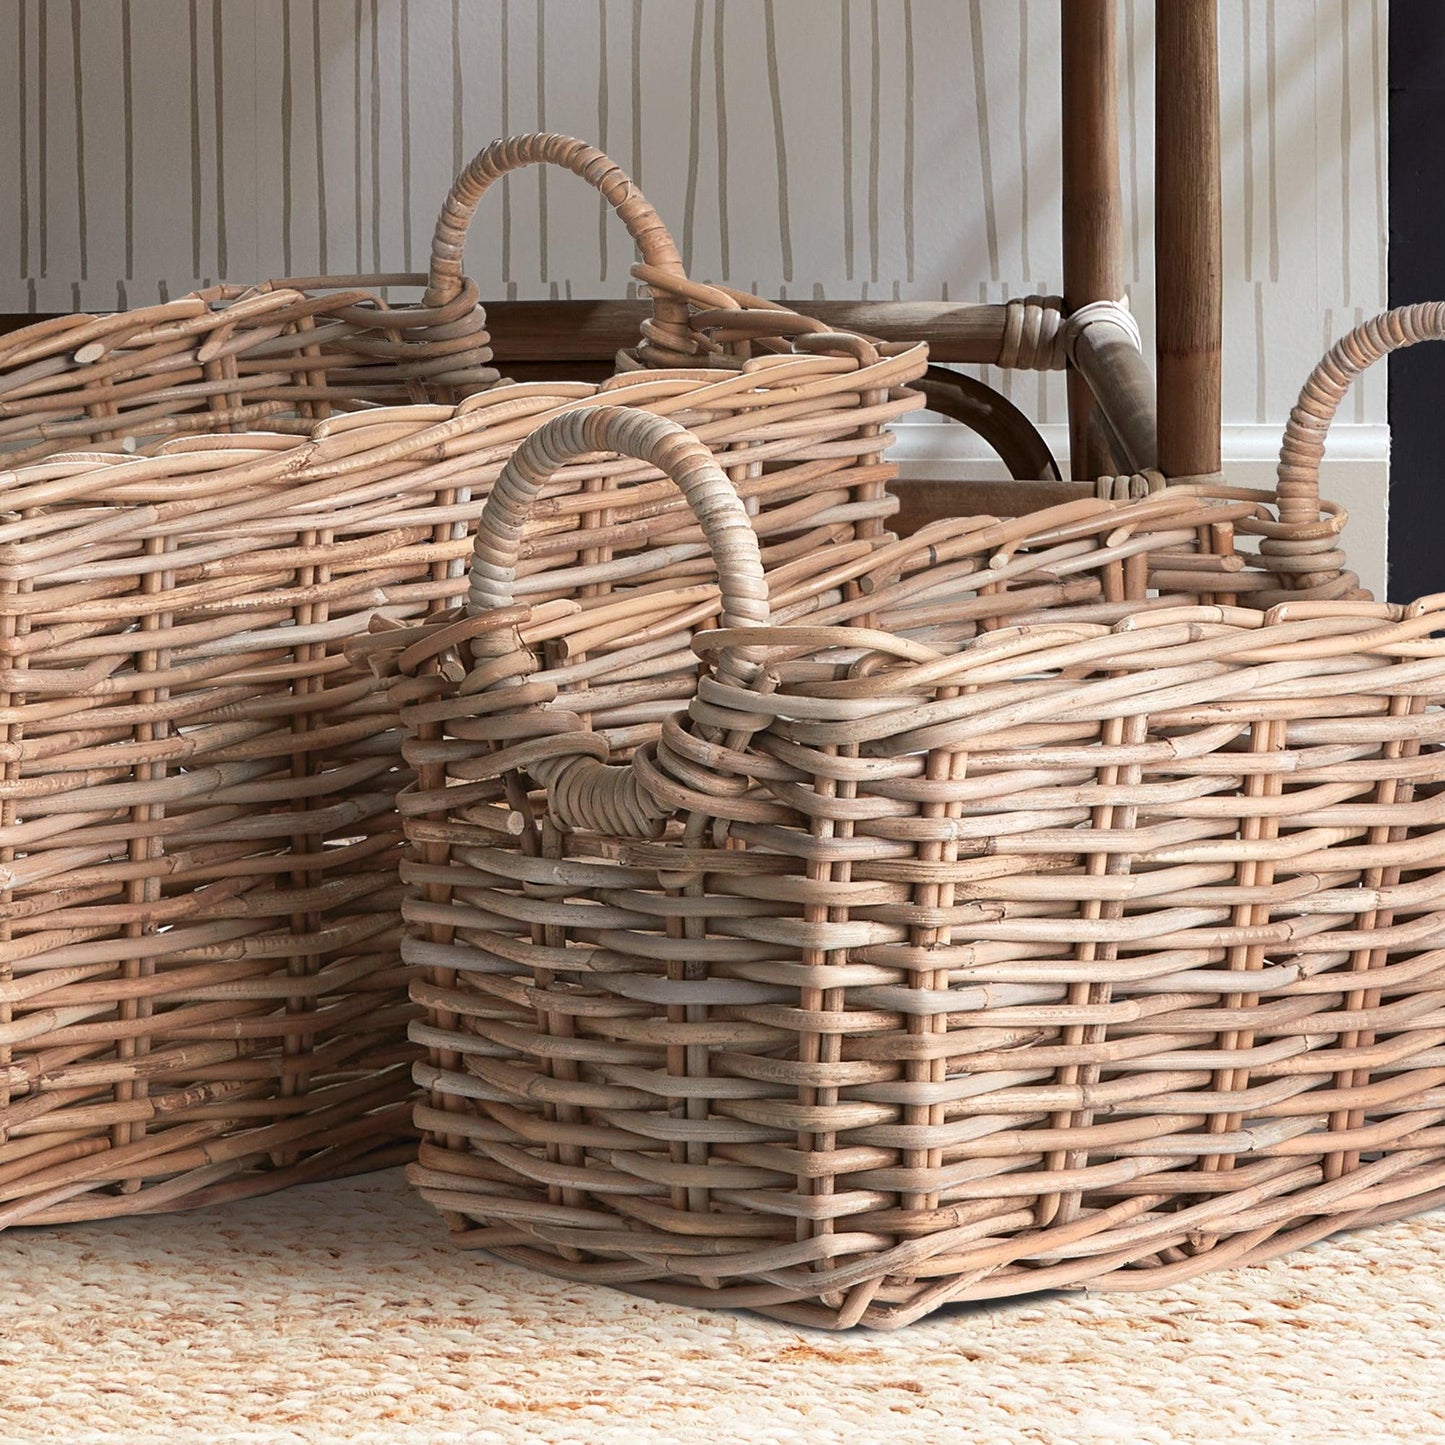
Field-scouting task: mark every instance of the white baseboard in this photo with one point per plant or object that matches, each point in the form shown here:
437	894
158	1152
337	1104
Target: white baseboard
1356	472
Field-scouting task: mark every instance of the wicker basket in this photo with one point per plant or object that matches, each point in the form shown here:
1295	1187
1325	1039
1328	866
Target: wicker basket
201	994
1061	906
278	357
282	355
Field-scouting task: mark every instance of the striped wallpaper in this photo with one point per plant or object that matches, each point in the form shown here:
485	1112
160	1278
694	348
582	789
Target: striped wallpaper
805	148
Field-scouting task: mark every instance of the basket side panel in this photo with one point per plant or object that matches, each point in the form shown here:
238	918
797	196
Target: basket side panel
276	357
202	965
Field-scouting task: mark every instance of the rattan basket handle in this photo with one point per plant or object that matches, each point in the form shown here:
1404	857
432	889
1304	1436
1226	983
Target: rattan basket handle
582	790
1303	448
669	331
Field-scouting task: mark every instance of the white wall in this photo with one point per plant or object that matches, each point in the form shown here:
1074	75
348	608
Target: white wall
856	147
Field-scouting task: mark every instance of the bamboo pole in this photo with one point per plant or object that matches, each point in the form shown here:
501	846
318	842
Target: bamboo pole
1093	208
1187	243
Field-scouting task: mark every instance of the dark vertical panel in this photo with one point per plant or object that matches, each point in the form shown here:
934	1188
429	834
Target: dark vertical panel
1377	122
1188	238
1131	147
1416	273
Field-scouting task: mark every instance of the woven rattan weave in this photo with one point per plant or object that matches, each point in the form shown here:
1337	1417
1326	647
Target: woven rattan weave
1061	905
201	993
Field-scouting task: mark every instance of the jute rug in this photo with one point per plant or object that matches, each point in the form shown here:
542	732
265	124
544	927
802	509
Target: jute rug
340	1313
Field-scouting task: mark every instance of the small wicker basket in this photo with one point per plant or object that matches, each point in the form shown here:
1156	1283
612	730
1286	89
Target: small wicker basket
201	994
1061	906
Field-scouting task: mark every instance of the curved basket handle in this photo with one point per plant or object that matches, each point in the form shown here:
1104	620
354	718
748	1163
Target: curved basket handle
1303	448
994	418
582	790
668	334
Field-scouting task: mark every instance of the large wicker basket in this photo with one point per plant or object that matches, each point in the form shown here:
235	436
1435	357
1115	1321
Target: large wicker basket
201	994
1062	906
276	357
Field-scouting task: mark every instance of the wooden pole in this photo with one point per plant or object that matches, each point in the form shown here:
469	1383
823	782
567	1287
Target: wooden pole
556	332
1093	207
564	331
1187	246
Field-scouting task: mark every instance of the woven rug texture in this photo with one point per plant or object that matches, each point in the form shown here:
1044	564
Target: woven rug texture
341	1313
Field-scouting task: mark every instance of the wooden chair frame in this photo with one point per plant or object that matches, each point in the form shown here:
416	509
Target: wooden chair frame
1170	419
1121	417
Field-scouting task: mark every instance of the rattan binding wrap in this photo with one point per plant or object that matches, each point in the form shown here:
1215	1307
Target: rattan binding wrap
201	994
1061	905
